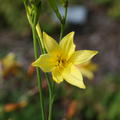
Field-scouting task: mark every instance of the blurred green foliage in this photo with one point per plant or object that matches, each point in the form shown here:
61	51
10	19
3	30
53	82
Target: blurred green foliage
102	1
13	14
97	102
113	7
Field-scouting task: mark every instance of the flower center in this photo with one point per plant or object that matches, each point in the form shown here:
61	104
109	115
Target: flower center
60	62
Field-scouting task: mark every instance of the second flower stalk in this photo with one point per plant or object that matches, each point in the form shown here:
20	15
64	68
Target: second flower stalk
50	83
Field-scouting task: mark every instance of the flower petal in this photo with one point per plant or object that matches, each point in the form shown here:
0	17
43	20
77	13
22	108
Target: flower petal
74	78
87	69
82	56
57	77
9	61
87	73
67	45
49	42
46	62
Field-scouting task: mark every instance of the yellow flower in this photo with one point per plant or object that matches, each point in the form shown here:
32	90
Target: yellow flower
8	62
62	60
87	69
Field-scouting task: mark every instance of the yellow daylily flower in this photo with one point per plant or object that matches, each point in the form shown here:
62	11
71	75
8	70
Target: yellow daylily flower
87	69
7	63
62	60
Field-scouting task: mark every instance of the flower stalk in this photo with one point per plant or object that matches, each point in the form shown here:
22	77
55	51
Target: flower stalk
50	86
61	18
32	11
64	19
62	60
55	9
38	74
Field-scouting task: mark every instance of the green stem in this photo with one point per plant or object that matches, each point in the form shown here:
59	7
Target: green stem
43	52
50	107
66	11
38	74
51	96
53	5
62	30
50	87
64	21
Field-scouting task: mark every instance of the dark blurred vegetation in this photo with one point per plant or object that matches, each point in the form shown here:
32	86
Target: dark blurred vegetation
113	7
19	97
97	102
13	16
12	13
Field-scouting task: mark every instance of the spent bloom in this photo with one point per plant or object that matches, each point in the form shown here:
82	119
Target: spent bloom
62	60
13	106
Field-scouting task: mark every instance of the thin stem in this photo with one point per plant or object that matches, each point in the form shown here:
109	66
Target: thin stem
64	19
50	107
55	9
62	30
66	11
43	52
50	87
51	96
38	74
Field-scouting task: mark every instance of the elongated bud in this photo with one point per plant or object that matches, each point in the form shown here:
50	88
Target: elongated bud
33	10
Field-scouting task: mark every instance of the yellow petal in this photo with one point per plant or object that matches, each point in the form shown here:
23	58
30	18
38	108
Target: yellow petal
50	43
45	62
82	56
67	45
87	73
91	66
57	77
87	69
9	61
75	77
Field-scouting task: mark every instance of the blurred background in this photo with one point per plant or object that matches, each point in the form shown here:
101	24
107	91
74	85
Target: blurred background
97	27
